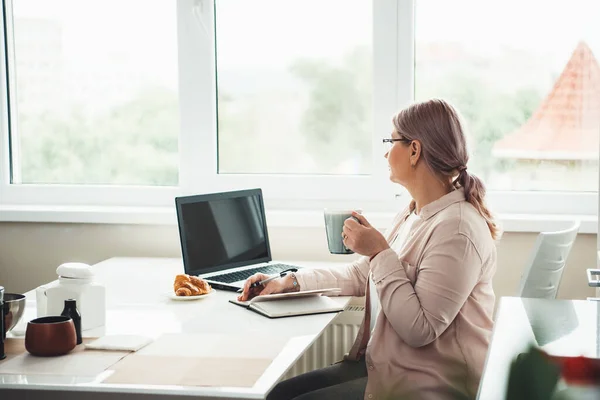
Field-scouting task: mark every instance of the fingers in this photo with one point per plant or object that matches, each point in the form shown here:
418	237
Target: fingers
345	231
274	286
350	228
346	236
248	292
256	291
250	281
361	219
351	225
354	228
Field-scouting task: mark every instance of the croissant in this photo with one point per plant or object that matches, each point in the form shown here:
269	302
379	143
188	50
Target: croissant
186	285
200	284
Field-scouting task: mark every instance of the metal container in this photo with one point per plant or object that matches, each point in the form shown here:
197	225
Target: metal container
14	307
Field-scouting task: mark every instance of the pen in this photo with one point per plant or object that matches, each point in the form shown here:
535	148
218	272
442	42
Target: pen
256	284
281	275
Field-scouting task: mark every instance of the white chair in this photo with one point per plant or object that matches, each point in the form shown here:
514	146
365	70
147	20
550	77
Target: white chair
541	276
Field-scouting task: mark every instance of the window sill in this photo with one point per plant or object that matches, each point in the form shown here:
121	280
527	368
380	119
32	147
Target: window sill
276	218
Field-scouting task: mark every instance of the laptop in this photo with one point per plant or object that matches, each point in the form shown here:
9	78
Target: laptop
224	237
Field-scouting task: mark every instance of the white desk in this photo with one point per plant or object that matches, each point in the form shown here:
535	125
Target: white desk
559	327
137	303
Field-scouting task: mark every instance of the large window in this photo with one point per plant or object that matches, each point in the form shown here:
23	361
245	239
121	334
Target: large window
94	92
526	77
132	102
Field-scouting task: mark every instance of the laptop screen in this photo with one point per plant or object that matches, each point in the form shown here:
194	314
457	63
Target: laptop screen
222	230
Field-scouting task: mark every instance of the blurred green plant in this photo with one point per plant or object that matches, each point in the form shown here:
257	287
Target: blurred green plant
532	377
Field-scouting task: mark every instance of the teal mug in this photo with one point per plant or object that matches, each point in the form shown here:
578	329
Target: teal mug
334	224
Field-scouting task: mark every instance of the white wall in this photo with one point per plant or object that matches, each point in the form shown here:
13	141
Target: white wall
30	252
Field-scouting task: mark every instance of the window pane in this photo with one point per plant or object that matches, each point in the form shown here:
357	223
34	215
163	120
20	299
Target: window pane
525	75
96	92
295	86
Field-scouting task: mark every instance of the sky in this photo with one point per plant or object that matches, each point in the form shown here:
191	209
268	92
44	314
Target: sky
293	28
326	28
146	30
138	31
549	27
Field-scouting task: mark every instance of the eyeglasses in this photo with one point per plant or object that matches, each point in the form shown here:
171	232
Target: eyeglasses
390	141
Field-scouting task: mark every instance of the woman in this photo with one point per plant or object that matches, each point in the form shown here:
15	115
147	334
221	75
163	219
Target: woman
428	282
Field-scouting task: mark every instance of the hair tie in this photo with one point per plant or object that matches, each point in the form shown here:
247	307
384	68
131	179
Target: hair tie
462	168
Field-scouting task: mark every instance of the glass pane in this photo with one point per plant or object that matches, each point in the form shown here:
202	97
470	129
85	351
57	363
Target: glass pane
525	75
96	91
295	86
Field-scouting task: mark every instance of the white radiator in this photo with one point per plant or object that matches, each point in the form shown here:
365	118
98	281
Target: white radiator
333	343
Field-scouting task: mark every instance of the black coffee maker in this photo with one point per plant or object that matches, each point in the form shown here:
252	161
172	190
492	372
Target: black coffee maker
2	327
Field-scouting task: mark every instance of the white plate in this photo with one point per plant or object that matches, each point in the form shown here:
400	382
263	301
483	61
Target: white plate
173	296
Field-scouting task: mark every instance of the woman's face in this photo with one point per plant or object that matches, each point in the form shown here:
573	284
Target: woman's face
398	157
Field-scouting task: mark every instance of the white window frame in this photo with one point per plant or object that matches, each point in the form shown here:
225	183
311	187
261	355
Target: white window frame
393	64
197	67
14	195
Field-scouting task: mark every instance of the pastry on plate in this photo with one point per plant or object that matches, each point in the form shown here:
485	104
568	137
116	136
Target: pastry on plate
189	285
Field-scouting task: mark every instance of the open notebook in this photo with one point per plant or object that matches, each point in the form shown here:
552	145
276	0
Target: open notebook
291	304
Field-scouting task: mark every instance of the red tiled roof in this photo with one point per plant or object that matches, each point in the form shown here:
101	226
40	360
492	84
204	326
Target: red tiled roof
566	126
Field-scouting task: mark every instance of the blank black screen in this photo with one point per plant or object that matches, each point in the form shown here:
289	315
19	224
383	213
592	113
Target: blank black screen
223	233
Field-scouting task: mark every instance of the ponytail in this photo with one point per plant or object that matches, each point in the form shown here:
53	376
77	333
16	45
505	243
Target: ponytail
439	128
475	194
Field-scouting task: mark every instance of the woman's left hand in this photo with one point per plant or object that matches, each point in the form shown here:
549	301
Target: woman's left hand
362	238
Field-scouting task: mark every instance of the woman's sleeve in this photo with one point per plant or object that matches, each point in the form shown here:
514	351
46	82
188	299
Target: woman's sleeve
351	279
447	275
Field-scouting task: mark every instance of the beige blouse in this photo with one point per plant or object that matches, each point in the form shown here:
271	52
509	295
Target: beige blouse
432	333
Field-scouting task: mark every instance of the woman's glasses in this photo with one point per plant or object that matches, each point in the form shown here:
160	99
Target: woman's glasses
390	141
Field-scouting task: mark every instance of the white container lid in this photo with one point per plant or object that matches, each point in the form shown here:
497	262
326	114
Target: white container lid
75	270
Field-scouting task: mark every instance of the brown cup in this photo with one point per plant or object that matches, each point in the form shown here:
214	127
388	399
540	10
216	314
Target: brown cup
50	336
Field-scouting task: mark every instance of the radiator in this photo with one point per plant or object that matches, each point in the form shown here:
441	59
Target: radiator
333	343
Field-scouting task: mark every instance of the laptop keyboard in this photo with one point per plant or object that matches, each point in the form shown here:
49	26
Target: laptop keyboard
245	274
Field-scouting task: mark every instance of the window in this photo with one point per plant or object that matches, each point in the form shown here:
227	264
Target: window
526	77
94	92
295	87
165	98
289	96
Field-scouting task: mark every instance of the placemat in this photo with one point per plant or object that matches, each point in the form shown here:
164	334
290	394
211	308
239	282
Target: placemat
199	360
188	371
78	362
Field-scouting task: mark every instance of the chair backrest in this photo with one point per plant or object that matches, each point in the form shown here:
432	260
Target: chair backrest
541	276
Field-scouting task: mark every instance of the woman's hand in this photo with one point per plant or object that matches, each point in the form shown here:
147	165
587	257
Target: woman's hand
362	238
279	285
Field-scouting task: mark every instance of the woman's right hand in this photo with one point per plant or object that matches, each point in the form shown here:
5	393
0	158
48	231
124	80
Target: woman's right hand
271	287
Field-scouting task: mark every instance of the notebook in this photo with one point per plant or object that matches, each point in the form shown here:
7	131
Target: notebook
293	304
224	237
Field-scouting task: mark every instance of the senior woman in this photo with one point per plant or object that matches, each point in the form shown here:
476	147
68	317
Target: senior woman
427	282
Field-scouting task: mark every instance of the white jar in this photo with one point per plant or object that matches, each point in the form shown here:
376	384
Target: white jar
76	281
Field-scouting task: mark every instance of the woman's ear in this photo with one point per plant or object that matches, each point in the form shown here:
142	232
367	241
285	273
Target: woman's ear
415	152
